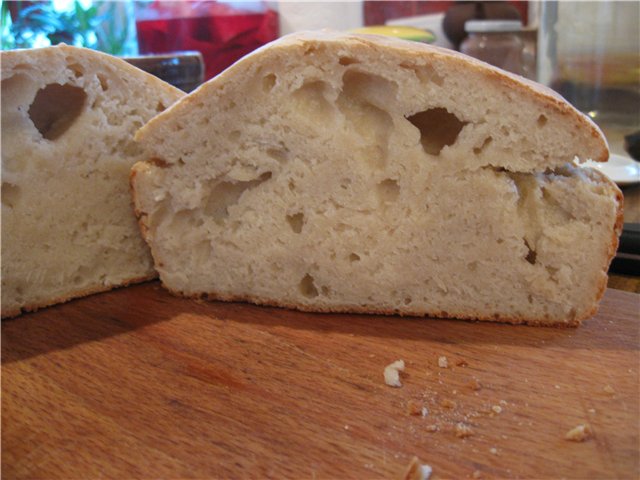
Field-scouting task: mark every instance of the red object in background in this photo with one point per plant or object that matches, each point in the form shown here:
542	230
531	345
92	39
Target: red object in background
221	32
378	12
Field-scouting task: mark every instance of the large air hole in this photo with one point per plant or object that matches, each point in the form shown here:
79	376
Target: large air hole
438	128
388	191
10	194
268	82
478	150
296	222
225	194
312	102
308	287
55	109
531	253
369	88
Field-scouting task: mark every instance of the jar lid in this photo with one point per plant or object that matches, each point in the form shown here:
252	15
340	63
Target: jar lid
492	26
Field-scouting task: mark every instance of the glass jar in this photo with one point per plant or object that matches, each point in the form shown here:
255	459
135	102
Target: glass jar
497	42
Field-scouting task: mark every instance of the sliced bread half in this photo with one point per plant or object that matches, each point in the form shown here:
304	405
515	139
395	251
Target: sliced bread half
348	173
68	120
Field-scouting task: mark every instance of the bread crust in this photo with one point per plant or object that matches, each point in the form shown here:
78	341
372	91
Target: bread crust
33	307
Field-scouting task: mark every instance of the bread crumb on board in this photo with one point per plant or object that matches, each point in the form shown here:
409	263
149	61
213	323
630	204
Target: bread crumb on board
579	433
417	470
415	407
609	389
496	409
392	373
443	362
477	474
463	430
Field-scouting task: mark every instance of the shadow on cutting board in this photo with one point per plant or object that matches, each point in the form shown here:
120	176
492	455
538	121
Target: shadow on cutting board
141	307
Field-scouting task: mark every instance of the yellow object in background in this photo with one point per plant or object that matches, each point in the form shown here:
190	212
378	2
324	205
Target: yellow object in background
405	33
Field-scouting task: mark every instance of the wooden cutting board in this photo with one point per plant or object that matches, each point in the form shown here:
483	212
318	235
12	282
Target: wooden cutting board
137	383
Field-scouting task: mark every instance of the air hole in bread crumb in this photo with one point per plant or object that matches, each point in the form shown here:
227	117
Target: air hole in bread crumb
438	129
76	68
268	82
307	287
225	194
542	120
485	144
160	107
325	291
104	83
10	194
55	108
407	300
388	190
347	61
531	254
278	154
296	222
425	73
234	136
354	257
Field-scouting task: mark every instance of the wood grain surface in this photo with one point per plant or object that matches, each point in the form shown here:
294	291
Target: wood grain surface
136	383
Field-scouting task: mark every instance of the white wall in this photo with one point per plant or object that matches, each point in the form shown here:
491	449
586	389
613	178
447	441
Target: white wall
296	16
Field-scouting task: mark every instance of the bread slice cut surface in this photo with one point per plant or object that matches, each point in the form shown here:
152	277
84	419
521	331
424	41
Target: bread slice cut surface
68	120
351	173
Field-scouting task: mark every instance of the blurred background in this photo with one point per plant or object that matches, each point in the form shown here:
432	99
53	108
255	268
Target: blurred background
587	51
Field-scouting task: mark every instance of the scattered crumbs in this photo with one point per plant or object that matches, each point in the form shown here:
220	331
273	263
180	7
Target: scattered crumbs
424	412
346	427
477	474
443	362
592	410
446	403
368	465
432	428
493	451
461	363
417	470
504	437
609	389
557	387
497	409
579	433
414	407
455	392
503	402
474	384
463	430
392	373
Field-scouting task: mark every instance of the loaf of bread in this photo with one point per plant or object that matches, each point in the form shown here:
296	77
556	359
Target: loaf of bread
345	173
68	120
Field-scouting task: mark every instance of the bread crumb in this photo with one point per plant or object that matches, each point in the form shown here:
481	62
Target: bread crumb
503	402
609	389
443	362
497	409
424	412
493	451
474	384
446	403
477	474
579	433
432	428
392	373
417	471
414	407
592	410
463	430
461	363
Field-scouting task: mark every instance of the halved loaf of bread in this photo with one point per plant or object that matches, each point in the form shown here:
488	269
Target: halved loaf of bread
68	120
346	173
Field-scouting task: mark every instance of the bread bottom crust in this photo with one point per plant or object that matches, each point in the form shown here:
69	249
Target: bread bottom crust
79	294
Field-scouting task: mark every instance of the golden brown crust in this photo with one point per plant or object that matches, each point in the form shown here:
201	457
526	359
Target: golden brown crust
213	296
77	294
